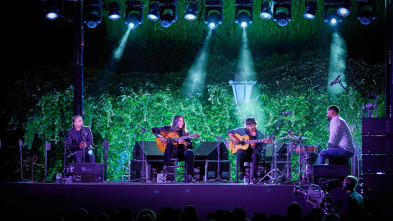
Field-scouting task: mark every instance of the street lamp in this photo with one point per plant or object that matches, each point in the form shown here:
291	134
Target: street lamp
242	90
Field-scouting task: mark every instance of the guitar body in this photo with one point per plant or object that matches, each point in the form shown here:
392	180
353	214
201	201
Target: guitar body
233	147
244	142
162	146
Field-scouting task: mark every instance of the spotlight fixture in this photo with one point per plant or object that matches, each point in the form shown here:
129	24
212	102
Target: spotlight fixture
366	11
154	11
168	12
266	10
114	11
133	16
243	12
51	11
282	12
310	9
213	13
93	13
344	8
330	12
191	10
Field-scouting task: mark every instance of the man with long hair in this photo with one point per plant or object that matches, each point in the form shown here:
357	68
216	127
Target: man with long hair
183	150
253	152
80	139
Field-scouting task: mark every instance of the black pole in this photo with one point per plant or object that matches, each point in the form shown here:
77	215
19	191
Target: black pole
78	58
389	57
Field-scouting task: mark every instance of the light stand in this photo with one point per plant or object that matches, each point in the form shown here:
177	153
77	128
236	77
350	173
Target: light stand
47	147
105	144
20	143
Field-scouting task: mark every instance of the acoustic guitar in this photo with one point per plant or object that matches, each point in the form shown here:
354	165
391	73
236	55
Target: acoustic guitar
172	137
243	142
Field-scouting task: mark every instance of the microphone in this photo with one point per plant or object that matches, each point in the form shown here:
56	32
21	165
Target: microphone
286	112
335	80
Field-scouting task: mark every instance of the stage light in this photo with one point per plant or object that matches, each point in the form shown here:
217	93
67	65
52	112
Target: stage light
282	12
213	13
243	12
344	8
266	11
154	11
310	9
366	11
51	11
114	11
330	12
133	17
333	19
191	11
93	13
168	13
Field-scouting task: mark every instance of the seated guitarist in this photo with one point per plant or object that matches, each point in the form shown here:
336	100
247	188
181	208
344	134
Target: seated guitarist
253	152
182	151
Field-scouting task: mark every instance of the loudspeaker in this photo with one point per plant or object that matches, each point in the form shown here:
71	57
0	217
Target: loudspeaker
381	163
208	151
377	126
281	152
87	172
377	144
330	171
151	151
211	170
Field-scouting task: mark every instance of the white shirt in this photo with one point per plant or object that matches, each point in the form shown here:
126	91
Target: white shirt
340	135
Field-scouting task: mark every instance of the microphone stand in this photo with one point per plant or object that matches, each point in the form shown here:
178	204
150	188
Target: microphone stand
349	95
218	178
66	146
274	152
143	171
301	155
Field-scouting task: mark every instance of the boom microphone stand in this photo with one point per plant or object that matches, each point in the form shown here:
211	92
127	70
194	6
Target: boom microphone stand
66	146
218	178
143	172
301	155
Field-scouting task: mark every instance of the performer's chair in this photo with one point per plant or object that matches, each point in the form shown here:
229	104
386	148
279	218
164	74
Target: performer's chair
172	170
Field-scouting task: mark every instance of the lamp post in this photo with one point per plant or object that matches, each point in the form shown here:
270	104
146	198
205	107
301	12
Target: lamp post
242	93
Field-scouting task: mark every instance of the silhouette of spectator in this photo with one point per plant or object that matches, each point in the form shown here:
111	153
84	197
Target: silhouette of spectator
126	214
239	214
276	217
102	217
331	217
146	215
190	213
317	213
166	214
294	211
259	217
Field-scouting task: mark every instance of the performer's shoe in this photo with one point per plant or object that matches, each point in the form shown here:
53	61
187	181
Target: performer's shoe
164	169
189	179
241	175
254	180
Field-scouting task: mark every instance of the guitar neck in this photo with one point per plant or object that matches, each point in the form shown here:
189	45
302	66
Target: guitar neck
256	141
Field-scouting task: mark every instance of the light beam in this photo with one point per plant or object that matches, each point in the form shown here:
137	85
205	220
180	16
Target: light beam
337	66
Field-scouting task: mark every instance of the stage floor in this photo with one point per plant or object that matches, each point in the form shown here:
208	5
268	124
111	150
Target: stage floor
40	200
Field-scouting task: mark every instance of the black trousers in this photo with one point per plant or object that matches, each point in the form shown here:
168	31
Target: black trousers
182	154
83	156
249	155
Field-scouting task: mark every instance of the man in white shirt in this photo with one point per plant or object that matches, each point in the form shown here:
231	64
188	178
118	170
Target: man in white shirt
340	139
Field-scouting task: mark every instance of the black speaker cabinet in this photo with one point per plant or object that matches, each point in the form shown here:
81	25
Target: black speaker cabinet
151	151
211	167
330	171
87	172
208	151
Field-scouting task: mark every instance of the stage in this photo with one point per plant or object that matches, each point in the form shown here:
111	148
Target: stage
39	200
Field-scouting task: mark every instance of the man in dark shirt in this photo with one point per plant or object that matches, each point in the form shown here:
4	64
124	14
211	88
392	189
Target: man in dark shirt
80	139
353	202
183	150
253	152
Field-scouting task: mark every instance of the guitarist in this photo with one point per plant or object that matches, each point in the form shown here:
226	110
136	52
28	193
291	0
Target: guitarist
253	152
182	151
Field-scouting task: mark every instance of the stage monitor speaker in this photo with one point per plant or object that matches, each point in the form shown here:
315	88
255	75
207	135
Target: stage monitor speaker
330	171
87	172
211	167
151	151
208	151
